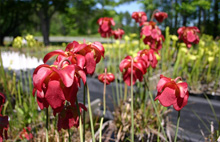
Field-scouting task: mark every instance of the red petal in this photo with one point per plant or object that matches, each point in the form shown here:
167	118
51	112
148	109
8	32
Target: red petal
163	80
41	101
66	74
79	47
54	95
181	102
183	87
39	75
167	97
82	75
190	36
53	53
71	45
90	63
71	92
80	60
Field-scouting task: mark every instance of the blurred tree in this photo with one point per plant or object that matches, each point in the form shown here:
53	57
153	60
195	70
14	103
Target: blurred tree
45	9
216	19
12	15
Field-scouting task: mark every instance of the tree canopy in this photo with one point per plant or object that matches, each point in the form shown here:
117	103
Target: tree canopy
79	17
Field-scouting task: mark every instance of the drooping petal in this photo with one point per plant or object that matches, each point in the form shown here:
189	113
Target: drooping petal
66	74
71	46
53	53
181	102
183	88
40	74
80	60
82	75
190	36
163	80
54	95
71	92
167	97
41	101
90	63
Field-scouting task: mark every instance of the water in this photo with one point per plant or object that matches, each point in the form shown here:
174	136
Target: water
18	61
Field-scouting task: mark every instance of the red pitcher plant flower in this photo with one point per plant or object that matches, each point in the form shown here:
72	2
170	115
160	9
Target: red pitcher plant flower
153	36
55	84
139	69
2	101
160	16
108	78
92	53
105	24
84	55
118	33
69	117
139	17
4	124
172	92
149	57
26	134
189	35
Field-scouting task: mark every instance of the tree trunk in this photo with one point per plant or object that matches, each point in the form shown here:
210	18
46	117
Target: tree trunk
176	14
199	18
184	20
45	28
215	28
1	40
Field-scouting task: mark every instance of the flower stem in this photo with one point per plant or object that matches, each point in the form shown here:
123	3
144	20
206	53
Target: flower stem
104	108
69	135
132	104
90	114
158	116
177	126
80	121
47	117
152	16
84	114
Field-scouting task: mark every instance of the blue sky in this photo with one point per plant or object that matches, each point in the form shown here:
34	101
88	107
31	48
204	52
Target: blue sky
130	7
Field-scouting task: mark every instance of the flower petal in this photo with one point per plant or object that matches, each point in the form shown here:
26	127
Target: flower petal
90	63
163	80
167	97
54	94
66	74
183	88
53	53
181	102
39	75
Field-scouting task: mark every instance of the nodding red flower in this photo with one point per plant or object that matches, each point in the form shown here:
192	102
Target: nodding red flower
139	17
55	84
69	117
106	77
2	101
105	24
189	35
149	57
118	33
86	56
26	134
171	92
92	53
4	124
160	16
139	69
153	35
